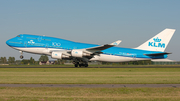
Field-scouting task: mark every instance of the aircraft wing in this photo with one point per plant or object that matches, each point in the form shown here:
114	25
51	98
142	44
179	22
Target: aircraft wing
82	54
103	47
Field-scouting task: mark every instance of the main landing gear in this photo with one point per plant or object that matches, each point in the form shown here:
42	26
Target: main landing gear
80	64
21	54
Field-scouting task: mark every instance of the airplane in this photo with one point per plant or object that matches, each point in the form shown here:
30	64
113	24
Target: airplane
82	53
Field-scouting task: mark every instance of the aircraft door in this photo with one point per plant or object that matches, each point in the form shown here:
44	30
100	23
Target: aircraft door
47	48
134	57
39	38
25	43
47	45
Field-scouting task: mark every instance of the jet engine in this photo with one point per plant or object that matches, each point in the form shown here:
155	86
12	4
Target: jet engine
79	53
58	55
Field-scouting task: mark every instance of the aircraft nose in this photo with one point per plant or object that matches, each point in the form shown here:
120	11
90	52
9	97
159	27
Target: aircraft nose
8	42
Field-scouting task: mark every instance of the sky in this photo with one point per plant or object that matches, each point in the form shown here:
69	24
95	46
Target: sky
90	21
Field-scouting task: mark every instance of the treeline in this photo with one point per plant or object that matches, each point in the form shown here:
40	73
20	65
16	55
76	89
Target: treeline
31	61
10	60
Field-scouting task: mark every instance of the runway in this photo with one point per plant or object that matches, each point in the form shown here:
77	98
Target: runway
93	85
161	66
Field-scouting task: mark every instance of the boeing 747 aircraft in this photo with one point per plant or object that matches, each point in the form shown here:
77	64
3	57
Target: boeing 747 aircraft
81	53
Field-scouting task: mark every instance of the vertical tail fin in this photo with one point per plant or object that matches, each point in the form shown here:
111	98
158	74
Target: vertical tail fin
158	42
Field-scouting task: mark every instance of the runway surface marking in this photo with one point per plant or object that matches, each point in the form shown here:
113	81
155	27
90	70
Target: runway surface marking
92	85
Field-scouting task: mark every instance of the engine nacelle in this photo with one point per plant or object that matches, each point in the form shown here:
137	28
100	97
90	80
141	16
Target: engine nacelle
77	53
58	55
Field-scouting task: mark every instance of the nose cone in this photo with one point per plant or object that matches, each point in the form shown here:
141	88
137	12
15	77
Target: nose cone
8	42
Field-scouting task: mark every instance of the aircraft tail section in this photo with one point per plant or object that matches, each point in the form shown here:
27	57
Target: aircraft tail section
158	42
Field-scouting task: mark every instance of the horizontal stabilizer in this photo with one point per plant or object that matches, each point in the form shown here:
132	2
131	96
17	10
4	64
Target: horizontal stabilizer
162	60
156	54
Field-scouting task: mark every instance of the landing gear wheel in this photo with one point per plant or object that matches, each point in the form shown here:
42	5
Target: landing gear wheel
21	57
76	65
86	65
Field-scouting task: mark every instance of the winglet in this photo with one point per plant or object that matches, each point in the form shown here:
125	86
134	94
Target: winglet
116	43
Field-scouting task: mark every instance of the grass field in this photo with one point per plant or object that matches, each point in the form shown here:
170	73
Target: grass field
89	94
90	75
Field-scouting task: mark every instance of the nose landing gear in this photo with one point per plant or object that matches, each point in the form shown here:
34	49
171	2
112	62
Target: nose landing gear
21	54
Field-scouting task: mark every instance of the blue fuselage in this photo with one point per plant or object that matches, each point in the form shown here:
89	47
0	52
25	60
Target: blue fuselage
35	41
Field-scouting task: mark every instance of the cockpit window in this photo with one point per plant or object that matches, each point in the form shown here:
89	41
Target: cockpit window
18	36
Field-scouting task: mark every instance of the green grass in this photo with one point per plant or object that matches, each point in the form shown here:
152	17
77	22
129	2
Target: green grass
88	94
90	75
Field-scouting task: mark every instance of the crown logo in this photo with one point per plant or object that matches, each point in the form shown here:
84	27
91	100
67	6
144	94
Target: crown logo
157	39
